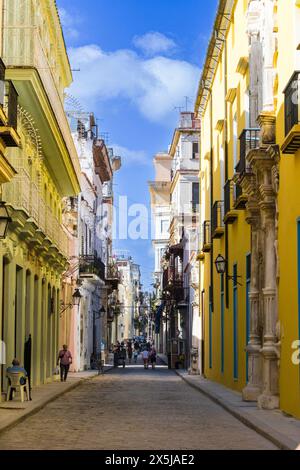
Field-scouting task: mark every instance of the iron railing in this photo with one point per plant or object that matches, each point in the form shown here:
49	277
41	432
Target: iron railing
12	106
217	216
90	264
291	103
249	140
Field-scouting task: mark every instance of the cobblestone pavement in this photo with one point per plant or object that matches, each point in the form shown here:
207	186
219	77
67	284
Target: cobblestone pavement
133	409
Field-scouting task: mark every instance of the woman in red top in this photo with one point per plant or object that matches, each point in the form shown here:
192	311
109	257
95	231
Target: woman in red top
65	360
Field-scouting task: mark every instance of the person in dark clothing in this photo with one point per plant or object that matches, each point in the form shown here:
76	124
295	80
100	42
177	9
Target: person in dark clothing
129	351
122	354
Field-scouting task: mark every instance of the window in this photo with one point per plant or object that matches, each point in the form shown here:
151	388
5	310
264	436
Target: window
195	197
235	143
222	323
235	323
248	285
210	329
195	150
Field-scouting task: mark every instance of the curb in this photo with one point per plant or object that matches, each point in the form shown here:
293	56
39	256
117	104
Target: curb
278	441
42	405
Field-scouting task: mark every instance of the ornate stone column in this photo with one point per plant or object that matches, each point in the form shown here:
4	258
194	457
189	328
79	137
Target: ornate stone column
254	387
265	163
270	398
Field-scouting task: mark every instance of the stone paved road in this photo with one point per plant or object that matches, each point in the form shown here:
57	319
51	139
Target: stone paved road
133	409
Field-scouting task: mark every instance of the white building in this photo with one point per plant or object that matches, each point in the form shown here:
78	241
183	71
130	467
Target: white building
179	287
128	295
89	219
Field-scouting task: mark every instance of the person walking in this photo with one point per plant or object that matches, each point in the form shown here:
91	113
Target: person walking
122	354
64	360
153	357
135	356
145	356
129	351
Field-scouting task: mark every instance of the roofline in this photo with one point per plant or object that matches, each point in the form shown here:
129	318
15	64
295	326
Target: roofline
214	51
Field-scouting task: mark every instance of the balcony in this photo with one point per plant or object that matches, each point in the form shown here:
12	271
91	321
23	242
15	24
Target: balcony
8	111
113	277
291	115
240	199
206	234
33	215
249	140
91	267
230	215
217	228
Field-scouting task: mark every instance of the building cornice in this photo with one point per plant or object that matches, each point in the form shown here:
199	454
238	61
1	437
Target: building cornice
214	52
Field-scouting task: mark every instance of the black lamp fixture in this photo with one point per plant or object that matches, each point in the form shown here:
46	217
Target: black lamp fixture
221	267
76	298
4	220
221	264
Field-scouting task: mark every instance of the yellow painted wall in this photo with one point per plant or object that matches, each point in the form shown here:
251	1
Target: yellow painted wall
289	212
239	232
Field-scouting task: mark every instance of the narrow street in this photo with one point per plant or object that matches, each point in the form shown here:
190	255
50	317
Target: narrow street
136	409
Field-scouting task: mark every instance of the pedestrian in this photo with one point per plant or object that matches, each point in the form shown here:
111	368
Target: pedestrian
145	356
64	360
135	356
116	356
129	351
153	357
122	354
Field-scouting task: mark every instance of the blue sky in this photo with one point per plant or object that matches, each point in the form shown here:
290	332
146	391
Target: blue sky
138	59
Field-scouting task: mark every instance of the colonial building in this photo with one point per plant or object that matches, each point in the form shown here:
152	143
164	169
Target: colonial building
248	104
128	296
35	253
161	219
179	261
89	219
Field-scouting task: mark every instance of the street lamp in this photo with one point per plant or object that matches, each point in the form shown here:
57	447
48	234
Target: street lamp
221	264
76	298
4	220
221	267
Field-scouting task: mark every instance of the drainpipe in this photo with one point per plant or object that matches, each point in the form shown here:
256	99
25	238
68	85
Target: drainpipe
226	164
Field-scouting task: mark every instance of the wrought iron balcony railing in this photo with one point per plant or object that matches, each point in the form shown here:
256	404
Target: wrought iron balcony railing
217	228
91	265
291	103
249	140
23	194
292	115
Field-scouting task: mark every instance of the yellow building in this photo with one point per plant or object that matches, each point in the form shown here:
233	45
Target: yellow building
34	254
250	245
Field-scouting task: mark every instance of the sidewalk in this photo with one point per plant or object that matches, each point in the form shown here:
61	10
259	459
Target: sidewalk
282	430
13	412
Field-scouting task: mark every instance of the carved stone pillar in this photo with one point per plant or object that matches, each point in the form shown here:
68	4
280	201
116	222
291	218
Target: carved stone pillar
265	166
254	387
270	398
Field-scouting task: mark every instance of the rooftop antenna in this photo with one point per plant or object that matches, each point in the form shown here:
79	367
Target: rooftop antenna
187	101
179	108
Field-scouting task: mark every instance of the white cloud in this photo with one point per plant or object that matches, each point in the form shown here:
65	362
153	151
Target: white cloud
154	85
68	22
131	157
153	43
